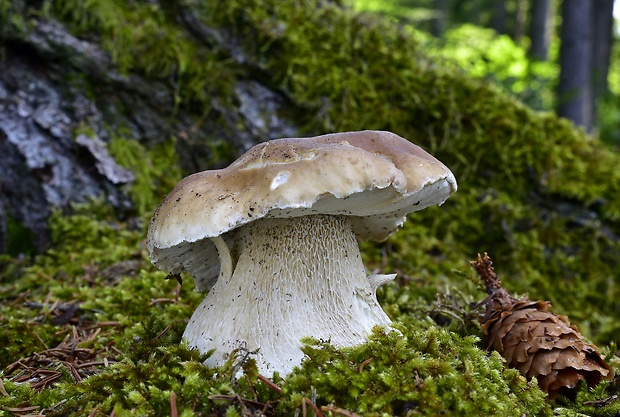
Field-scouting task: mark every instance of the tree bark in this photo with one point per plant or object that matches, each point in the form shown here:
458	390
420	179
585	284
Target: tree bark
574	89
602	38
540	29
51	83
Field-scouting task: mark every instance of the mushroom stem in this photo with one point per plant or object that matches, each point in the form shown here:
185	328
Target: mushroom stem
293	278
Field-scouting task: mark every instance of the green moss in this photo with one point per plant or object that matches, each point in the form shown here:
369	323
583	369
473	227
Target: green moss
145	38
156	170
426	371
12	17
429	372
91	237
421	369
84	129
20	239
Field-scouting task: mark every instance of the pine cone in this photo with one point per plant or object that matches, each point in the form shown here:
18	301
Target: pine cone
537	342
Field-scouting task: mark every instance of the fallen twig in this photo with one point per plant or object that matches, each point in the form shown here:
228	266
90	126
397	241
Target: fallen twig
233	398
308	402
339	411
173	405
270	384
603	402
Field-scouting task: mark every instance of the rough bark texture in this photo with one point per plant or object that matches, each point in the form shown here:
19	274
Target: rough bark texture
47	79
574	89
42	166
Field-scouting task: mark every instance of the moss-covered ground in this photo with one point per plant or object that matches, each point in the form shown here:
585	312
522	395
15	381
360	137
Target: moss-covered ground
91	328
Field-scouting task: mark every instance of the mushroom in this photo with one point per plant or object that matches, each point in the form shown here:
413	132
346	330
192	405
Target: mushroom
273	239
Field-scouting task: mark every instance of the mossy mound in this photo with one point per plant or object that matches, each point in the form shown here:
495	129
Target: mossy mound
540	196
138	317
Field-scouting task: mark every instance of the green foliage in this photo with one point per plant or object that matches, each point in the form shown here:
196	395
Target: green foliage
428	372
22	335
417	12
609	116
609	104
91	230
483	53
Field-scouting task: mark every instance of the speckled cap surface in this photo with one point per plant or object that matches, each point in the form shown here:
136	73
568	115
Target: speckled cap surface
375	177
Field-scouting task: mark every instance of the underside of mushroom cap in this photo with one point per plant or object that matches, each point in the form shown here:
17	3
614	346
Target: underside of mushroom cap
374	177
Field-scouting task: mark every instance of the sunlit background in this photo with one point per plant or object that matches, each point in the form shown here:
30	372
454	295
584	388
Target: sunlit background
491	39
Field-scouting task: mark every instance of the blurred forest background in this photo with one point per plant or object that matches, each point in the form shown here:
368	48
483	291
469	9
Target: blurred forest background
553	55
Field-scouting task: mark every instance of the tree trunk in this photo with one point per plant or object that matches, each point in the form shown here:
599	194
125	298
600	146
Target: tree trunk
498	16
574	89
440	21
540	29
520	14
602	37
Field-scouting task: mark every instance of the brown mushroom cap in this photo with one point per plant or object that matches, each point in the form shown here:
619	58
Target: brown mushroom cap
375	177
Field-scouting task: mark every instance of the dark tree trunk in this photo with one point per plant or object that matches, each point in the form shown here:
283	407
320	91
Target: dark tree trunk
520	13
440	21
602	37
498	16
540	29
574	89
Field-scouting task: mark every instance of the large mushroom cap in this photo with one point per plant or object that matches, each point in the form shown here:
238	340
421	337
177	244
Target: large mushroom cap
375	177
